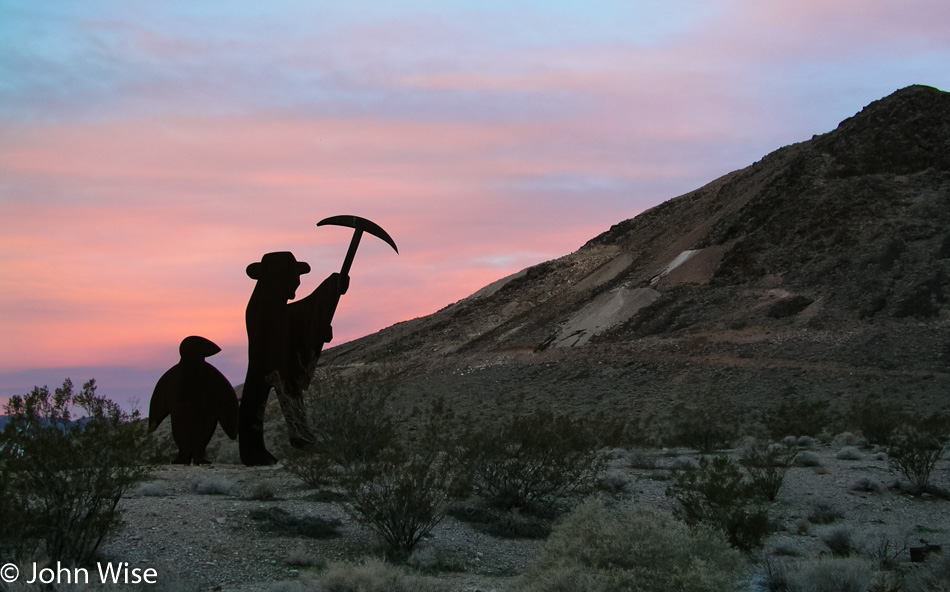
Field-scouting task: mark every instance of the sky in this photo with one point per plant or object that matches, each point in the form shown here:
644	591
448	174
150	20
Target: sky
149	151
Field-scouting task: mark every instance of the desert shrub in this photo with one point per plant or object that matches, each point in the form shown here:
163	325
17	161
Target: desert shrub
834	574
839	542
61	478
152	489
848	439
374	576
933	577
597	550
849	453
532	461
506	524
706	428
614	483
767	463
284	523
807	458
639	458
867	484
797	416
325	496
402	495
884	551
213	485
718	494
915	451
824	513
805	442
311	467
771	574
471	514
301	557
434	558
262	491
424	558
684	462
513	525
786	549
347	416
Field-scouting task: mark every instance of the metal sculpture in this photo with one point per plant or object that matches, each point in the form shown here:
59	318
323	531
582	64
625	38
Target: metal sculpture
198	397
285	339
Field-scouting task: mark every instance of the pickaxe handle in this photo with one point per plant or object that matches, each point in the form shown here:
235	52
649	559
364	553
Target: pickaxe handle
351	252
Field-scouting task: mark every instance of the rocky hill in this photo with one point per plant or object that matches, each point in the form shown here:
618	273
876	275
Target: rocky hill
820	271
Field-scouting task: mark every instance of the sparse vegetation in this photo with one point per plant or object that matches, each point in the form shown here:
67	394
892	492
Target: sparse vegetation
638	458
798	416
834	574
374	576
509	524
311	467
348	418
262	491
719	495
402	492
934	577
849	453
401	497
767	463
300	557
213	485
152	489
824	513
614	483
916	449
532	462
598	550
884	551
61	477
283	522
867	485
877	419
839	542
708	427
806	458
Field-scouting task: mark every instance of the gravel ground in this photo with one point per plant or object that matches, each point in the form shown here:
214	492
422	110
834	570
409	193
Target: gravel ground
209	541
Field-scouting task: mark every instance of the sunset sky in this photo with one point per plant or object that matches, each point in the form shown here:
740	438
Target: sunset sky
149	151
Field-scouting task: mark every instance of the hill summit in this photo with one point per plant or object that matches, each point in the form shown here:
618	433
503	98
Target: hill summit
821	271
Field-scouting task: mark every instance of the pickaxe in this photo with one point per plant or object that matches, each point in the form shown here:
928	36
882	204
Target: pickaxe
359	226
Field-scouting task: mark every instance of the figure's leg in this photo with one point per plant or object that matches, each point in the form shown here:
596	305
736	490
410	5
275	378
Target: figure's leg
204	430
295	414
180	435
251	422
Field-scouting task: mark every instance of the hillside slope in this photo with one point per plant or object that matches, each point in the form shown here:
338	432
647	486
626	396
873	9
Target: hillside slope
822	270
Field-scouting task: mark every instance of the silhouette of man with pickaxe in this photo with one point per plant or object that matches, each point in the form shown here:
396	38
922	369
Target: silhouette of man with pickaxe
285	339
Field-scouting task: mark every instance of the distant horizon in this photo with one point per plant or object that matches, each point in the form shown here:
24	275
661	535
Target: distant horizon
149	153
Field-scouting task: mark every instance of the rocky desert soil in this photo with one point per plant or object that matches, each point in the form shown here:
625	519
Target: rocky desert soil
196	525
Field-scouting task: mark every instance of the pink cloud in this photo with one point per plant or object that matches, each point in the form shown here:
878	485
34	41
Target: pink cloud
144	228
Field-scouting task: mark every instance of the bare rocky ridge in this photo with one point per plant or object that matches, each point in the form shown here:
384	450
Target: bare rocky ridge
822	270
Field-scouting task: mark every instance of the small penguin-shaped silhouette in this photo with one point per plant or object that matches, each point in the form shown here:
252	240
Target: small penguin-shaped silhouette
197	396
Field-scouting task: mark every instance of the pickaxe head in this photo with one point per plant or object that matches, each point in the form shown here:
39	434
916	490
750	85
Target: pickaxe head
359	225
